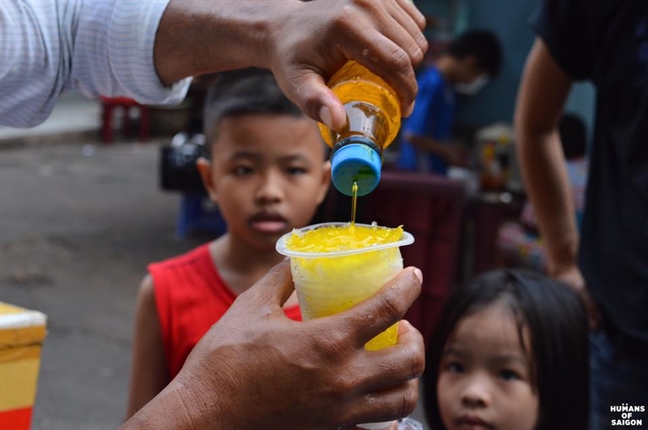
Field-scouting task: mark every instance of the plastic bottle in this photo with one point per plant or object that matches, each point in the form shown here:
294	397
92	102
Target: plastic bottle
373	120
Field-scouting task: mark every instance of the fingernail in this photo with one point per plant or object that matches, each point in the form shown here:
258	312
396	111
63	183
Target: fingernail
410	109
325	116
418	274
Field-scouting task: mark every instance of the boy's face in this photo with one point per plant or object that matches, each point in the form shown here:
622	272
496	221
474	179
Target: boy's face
467	70
267	174
484	376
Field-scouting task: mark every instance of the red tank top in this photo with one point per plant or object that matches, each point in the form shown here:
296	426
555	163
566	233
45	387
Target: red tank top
190	297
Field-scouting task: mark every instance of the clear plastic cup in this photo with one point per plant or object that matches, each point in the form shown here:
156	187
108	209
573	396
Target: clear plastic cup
330	282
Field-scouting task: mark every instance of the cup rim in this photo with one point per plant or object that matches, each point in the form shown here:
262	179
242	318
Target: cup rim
281	248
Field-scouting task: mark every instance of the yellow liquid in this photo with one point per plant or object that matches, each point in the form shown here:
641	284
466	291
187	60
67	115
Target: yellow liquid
329	285
332	238
354	200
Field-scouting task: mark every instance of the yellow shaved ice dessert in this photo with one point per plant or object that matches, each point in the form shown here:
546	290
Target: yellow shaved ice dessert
332	238
327	285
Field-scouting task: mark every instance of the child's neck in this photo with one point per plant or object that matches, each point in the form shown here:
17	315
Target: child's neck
239	264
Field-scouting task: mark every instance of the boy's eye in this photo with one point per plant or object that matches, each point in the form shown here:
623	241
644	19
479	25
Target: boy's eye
296	171
455	367
242	170
508	375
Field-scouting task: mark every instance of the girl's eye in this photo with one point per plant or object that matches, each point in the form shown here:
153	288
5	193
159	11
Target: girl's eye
242	170
508	375
455	367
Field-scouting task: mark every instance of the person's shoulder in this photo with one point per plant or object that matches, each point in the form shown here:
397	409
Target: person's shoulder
180	264
178	276
571	30
146	293
188	258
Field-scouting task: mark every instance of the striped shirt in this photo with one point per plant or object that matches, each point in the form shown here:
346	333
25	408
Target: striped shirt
101	47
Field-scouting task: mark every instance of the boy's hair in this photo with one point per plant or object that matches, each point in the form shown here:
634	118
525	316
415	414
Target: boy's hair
248	91
556	321
484	45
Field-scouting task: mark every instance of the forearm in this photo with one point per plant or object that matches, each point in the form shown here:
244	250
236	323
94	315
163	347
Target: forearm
540	104
177	407
193	33
548	187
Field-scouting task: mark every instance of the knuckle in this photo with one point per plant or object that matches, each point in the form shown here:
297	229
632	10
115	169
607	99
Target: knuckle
417	363
401	60
321	344
402	65
391	305
337	337
417	55
342	20
341	384
310	104
330	344
364	4
409	399
417	355
423	43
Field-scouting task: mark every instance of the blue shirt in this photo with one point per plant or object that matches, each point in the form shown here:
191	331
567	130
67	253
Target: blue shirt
102	47
432	117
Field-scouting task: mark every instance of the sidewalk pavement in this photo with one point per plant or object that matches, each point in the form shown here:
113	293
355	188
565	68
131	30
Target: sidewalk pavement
76	234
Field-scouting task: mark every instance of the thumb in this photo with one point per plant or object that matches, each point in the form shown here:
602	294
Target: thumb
384	308
275	287
308	90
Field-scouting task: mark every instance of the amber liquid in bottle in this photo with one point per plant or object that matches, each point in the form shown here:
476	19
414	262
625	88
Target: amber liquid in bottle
373	119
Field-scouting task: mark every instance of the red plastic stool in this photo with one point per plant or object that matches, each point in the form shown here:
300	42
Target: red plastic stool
110	104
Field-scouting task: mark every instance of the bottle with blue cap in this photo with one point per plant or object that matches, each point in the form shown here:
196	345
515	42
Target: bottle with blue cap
373	120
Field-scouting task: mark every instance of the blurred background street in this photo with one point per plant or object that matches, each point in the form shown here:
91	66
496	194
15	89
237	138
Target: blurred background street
80	220
78	224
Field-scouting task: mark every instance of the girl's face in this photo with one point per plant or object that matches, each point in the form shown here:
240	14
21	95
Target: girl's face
484	378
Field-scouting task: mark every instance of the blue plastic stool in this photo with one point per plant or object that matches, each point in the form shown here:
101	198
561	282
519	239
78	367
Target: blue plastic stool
194	215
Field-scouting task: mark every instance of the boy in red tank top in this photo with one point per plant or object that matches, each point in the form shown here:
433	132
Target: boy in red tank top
268	173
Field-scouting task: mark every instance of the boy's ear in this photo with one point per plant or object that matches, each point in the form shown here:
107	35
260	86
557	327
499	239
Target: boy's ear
326	182
205	170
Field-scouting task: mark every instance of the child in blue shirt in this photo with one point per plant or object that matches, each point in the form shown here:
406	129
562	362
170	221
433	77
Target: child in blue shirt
470	61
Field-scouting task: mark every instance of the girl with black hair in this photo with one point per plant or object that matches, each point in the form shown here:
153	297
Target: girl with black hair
510	353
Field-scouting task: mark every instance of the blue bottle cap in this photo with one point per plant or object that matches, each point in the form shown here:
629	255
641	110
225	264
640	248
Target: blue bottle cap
356	160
